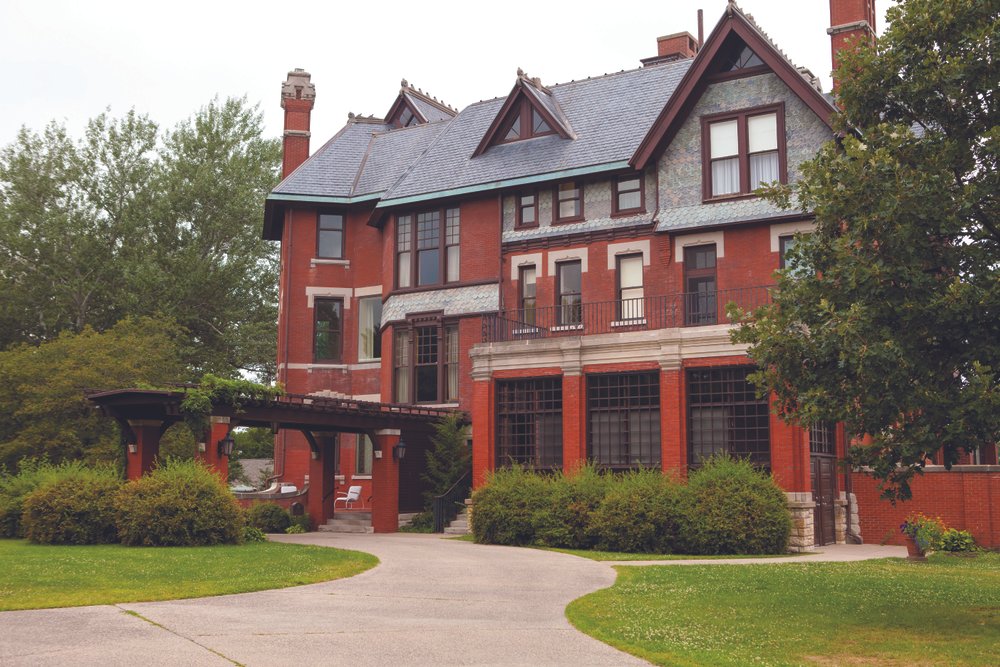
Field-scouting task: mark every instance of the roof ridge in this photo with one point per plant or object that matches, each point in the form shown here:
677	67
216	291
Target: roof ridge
392	130
406	86
364	161
607	75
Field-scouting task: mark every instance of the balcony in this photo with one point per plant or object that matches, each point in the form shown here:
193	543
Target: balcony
691	309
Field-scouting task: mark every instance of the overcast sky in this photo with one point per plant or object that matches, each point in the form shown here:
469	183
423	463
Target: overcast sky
70	59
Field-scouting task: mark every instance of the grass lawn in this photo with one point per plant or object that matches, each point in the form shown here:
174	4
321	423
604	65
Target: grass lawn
883	612
621	555
37	576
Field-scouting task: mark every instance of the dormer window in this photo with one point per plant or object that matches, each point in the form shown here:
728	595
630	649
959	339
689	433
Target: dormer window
743	151
404	117
524	123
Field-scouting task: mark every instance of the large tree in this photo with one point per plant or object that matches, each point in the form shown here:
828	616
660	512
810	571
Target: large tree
129	221
889	319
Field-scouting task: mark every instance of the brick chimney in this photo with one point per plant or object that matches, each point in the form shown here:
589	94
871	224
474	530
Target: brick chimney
850	21
677	46
297	98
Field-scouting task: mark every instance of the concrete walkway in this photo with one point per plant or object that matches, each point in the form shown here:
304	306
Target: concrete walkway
430	602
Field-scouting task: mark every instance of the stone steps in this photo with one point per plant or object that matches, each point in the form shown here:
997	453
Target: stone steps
460	526
349	522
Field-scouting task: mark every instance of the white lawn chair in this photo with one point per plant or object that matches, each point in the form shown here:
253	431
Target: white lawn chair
349	498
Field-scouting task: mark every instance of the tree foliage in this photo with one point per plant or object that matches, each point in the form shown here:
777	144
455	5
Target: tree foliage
890	319
448	458
132	221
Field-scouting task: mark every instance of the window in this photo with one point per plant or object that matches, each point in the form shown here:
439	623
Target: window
726	417
328	328
431	237
529	422
699	285
569	202
363	455
623	419
425	364
630	290
527	303
404	117
628	195
330	236
524	122
527	210
369	328
743	151
742	60
823	439
570	294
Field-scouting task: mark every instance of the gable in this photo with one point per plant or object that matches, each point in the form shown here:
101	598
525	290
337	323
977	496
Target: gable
529	111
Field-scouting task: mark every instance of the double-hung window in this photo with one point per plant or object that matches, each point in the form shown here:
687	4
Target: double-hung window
425	363
526	298
743	151
569	278
630	289
330	236
700	290
628	194
369	328
328	330
569	201
435	259
527	210
363	455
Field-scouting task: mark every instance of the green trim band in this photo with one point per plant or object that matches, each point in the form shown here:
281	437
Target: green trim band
322	199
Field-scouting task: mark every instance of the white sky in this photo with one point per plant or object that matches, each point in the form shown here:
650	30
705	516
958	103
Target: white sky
69	59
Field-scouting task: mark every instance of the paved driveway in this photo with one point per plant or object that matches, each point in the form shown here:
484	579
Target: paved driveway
430	602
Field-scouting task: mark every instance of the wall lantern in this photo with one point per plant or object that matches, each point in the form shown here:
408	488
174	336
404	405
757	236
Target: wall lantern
399	451
226	445
133	447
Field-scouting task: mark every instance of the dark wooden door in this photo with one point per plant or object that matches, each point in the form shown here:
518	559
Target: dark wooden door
824	488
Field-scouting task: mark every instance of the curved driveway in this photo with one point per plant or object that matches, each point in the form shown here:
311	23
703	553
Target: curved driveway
430	602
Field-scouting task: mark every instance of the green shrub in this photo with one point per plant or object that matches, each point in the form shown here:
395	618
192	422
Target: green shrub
504	508
955	540
251	534
269	517
729	507
639	514
422	522
77	507
303	521
179	503
565	519
295	529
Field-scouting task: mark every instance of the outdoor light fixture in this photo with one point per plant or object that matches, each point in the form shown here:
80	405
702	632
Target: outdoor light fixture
133	447
399	451
226	446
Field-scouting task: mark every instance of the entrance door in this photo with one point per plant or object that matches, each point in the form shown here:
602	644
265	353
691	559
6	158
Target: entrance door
823	450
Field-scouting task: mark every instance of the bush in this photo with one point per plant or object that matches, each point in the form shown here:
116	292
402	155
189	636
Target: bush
955	540
14	488
179	503
268	517
422	522
76	507
729	507
565	519
295	529
303	521
639	514
251	534
505	507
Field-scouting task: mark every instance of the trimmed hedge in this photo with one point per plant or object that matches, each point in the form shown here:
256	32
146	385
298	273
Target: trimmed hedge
179	503
78	507
727	507
15	488
268	517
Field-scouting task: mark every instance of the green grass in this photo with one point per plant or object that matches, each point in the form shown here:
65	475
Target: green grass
38	576
884	612
624	556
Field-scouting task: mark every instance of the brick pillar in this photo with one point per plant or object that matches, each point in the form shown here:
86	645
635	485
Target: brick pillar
673	439
218	429
385	482
574	422
851	21
146	446
483	452
322	491
298	96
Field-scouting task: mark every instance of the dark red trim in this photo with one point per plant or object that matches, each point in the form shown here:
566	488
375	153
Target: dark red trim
518	222
505	118
741	117
441	286
343	233
615	211
556	220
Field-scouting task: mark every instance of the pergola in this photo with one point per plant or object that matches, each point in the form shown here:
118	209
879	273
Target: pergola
144	415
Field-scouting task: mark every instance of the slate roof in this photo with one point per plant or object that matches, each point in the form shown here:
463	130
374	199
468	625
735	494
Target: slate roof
590	225
468	300
429	111
719	213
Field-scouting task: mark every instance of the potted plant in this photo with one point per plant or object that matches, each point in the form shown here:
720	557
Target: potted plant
922	534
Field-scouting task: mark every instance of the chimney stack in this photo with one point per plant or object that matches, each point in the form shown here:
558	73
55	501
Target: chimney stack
297	98
851	21
677	46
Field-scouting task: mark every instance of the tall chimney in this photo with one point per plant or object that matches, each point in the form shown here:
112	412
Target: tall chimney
297	98
851	21
669	48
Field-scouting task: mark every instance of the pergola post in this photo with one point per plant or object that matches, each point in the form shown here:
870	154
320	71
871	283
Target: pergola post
212	457
385	482
322	470
143	446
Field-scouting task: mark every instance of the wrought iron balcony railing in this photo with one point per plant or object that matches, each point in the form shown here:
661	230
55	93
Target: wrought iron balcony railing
601	317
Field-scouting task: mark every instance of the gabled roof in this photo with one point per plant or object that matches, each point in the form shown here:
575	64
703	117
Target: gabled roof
734	26
539	98
423	106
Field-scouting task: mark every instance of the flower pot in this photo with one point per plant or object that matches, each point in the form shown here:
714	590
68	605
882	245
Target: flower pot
913	550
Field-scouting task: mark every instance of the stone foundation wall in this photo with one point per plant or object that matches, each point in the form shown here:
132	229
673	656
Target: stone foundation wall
801	505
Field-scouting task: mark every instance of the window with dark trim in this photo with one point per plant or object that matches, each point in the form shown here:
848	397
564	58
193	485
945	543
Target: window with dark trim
726	417
330	236
568	201
742	151
404	117
328	330
569	291
700	288
631	293
438	255
529	422
364	452
526	294
527	210
629	194
425	363
623	419
823	439
784	245
369	328
524	122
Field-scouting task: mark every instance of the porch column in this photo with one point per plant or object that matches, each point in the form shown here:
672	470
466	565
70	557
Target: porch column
385	482
673	438
574	429
217	430
143	452
322	491
483	456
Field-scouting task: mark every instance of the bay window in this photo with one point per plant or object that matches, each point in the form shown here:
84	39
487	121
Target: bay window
437	255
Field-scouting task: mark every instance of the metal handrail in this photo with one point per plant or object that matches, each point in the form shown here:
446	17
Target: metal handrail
443	506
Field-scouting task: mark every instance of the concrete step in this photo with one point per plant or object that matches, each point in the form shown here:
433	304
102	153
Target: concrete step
459	523
328	528
451	530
